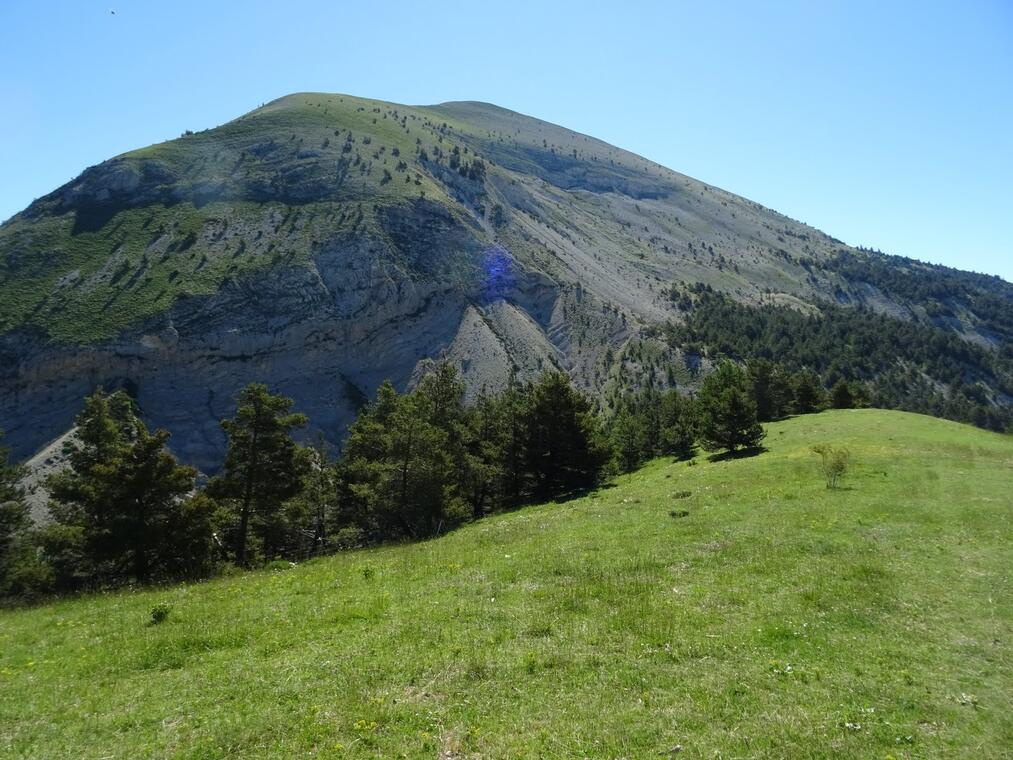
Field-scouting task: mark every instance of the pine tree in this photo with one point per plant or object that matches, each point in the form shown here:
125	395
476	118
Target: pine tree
421	471
771	389
859	394
121	509
728	411
809	394
397	470
678	425
260	467
513	404
487	442
441	395
840	395
313	512
145	490
564	449
628	436
19	568
646	406
79	544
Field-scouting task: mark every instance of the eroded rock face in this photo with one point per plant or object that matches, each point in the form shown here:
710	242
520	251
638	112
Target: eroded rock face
326	334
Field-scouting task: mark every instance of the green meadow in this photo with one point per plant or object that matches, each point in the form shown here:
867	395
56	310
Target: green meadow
729	609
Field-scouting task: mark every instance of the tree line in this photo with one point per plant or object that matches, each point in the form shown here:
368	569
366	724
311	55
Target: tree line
412	466
904	365
725	415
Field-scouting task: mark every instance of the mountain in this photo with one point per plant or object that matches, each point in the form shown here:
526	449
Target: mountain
322	243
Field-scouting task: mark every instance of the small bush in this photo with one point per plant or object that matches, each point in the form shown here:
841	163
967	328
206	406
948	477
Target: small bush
833	461
350	537
682	494
160	612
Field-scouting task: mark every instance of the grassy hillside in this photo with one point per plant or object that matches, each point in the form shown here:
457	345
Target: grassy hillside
774	619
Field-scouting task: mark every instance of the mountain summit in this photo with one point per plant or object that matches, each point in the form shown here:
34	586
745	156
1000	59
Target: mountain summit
322	243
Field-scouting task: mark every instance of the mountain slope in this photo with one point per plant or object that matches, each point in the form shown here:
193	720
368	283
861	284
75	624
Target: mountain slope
775	619
322	243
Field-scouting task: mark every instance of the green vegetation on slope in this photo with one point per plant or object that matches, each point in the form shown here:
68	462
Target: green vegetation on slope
909	365
777	618
123	241
127	238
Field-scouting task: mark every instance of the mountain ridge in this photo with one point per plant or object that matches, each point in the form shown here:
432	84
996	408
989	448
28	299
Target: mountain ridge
322	243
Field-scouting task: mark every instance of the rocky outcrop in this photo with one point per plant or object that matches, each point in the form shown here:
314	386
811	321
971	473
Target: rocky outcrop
326	334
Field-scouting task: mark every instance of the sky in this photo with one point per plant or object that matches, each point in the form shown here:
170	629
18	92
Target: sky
885	124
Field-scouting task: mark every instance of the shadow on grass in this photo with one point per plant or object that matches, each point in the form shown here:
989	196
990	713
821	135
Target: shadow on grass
725	456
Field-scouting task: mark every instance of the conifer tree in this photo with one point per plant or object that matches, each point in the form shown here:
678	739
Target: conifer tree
728	411
146	523
628	436
840	395
78	544
19	568
420	472
398	472
564	448
512	405
859	394
121	509
771	389
678	425
312	513
809	394
260	467
441	393
487	442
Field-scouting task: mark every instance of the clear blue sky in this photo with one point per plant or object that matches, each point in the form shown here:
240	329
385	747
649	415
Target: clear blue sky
886	124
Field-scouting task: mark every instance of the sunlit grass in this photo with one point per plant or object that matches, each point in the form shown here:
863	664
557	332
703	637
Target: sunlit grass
776	618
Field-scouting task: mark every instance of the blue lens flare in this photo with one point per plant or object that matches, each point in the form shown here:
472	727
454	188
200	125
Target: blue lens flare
497	270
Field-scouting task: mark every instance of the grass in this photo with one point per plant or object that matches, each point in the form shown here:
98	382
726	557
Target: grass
775	618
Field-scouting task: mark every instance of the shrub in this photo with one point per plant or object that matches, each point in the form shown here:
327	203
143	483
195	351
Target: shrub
160	612
350	537
833	461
